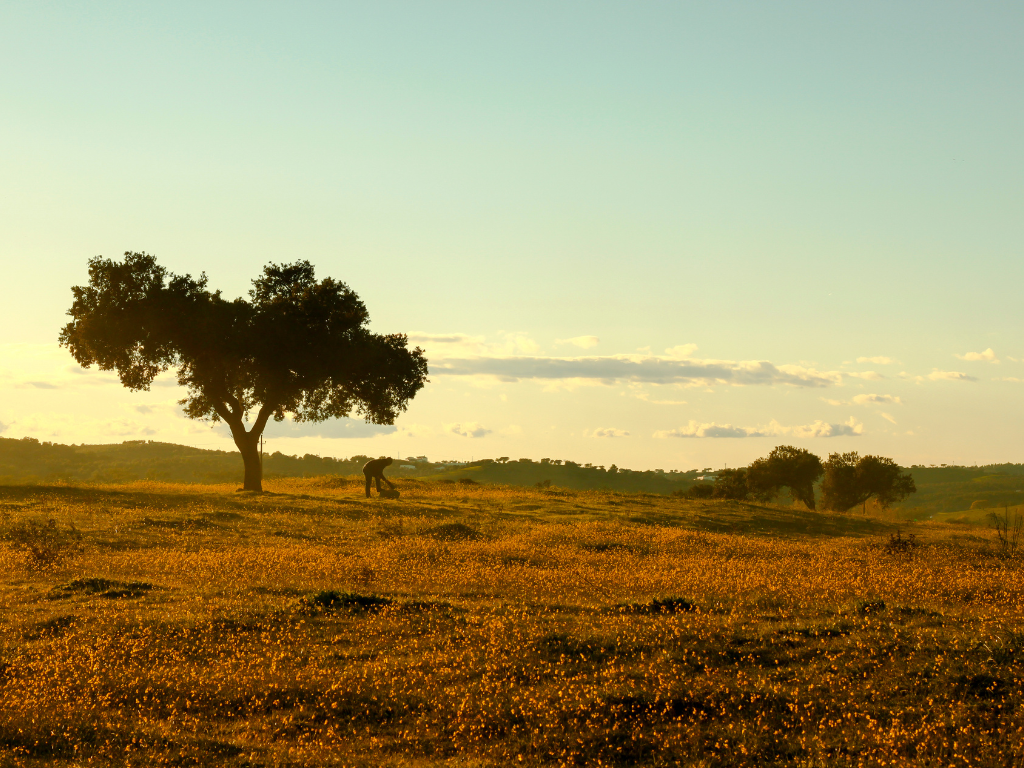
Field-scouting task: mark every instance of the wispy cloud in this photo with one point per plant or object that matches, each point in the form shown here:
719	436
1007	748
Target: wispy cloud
646	397
443	345
849	428
607	432
585	342
636	368
938	375
866	375
468	429
880	360
888	417
681	351
876	399
332	428
988	356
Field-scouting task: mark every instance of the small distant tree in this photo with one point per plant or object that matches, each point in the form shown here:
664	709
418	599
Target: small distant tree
851	479
297	346
785	467
731	484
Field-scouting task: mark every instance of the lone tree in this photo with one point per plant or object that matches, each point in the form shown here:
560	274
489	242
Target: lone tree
851	479
785	467
296	346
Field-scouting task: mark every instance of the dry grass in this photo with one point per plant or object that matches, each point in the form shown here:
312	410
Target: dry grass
192	625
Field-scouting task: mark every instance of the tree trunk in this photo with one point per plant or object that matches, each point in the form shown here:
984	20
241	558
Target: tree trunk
248	445
248	442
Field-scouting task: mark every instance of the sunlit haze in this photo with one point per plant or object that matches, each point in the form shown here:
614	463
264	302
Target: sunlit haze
659	235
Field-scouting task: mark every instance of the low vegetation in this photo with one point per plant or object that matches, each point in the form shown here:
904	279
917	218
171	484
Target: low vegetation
483	625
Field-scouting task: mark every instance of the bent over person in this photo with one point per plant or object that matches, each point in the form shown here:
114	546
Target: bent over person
373	470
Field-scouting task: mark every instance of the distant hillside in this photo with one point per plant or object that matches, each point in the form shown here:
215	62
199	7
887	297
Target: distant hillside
939	489
28	460
568	474
953	489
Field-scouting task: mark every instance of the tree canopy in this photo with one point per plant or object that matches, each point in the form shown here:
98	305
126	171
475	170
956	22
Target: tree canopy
851	479
785	467
296	346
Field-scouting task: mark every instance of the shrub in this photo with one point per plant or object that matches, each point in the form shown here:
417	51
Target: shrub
698	491
658	605
46	546
329	600
731	484
1007	530
899	544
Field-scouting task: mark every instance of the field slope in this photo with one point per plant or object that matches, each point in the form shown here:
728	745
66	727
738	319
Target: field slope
148	624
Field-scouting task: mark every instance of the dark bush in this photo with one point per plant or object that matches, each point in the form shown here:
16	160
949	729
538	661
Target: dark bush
731	484
698	491
899	544
46	546
329	600
658	605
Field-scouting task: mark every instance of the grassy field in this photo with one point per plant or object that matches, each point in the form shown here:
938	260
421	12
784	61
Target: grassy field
149	624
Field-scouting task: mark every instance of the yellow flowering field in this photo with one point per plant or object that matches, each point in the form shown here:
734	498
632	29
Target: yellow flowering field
464	625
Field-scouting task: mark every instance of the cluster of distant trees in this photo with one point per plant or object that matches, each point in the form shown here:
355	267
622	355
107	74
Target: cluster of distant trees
847	480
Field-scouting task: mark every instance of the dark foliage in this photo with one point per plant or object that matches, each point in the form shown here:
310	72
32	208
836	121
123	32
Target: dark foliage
899	544
851	479
297	346
658	605
45	546
329	600
698	491
785	467
731	484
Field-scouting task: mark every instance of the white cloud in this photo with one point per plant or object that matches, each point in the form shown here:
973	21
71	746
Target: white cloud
851	427
1009	378
647	399
888	417
586	342
638	368
938	375
469	429
415	430
447	345
608	432
867	375
332	428
681	352
988	356
876	399
880	360
64	426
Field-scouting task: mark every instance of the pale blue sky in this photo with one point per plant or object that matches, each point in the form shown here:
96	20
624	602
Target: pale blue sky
798	183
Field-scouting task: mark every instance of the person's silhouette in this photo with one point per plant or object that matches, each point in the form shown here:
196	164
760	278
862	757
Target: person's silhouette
373	471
